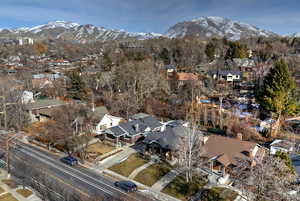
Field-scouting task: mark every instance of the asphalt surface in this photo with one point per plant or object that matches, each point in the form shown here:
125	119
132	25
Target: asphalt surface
77	177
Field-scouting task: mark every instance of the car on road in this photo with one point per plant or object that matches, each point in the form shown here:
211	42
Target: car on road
69	160
127	186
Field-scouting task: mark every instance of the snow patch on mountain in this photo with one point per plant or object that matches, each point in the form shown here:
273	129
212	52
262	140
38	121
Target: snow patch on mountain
74	31
213	26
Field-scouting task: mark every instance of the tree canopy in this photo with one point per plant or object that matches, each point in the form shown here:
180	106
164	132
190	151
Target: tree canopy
278	94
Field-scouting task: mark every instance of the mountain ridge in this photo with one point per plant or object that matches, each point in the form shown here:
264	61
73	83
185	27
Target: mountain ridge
202	27
213	26
73	31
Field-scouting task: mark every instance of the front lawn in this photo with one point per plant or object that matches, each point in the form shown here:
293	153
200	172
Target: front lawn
11	183
24	192
152	174
182	190
128	166
99	149
218	193
1	190
7	197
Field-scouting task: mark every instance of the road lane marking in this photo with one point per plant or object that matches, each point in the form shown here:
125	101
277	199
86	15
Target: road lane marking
68	172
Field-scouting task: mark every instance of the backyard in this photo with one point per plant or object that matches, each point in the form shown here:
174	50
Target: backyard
126	167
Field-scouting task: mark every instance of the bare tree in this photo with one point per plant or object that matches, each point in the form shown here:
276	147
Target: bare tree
191	146
269	179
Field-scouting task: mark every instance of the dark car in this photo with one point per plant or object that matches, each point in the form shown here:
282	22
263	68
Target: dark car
127	186
69	160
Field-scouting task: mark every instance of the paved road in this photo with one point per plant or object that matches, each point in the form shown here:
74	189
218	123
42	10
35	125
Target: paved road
78	177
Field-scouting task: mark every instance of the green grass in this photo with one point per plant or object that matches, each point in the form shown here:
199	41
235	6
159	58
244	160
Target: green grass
128	166
24	192
7	197
152	174
182	190
220	194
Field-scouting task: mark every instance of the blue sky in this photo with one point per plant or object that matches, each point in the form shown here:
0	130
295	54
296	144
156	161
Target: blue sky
280	16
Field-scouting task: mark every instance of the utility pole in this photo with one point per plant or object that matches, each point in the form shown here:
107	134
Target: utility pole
8	139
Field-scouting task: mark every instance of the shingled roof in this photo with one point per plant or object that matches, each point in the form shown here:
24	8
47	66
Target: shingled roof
227	150
135	127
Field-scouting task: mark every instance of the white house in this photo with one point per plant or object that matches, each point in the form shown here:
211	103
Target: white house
281	146
106	122
228	75
27	97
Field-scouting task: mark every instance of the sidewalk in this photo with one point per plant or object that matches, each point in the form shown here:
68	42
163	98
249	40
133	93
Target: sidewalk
139	169
117	158
165	180
146	189
13	192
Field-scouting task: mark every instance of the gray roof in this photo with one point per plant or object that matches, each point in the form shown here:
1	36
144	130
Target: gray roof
100	112
116	131
170	138
139	116
135	127
45	103
244	62
170	66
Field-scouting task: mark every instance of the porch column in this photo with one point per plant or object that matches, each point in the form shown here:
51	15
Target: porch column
211	165
117	141
223	170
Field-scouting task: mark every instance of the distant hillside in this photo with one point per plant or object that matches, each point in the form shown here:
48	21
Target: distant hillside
207	27
73	31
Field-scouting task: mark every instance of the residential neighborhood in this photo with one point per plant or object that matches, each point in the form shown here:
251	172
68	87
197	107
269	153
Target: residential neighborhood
208	110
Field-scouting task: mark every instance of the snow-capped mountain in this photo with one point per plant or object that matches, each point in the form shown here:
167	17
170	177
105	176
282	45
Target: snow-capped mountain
207	27
73	31
295	35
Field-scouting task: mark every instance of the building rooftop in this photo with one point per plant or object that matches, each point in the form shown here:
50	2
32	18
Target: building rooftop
45	103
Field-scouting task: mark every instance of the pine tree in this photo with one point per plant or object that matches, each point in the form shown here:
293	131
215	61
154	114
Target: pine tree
77	87
278	94
210	50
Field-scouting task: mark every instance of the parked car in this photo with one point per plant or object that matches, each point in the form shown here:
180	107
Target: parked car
69	160
127	186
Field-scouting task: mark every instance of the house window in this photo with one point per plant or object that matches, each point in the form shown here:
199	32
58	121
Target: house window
102	127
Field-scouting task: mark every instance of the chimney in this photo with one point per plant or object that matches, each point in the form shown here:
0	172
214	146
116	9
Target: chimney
93	107
93	103
239	136
163	128
136	127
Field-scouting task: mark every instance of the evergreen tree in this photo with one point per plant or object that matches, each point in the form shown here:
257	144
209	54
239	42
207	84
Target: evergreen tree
237	50
278	94
76	87
164	55
210	50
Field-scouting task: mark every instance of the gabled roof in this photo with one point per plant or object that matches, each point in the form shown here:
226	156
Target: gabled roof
187	76
170	66
226	72
170	138
45	103
136	127
244	62
139	116
227	150
116	131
